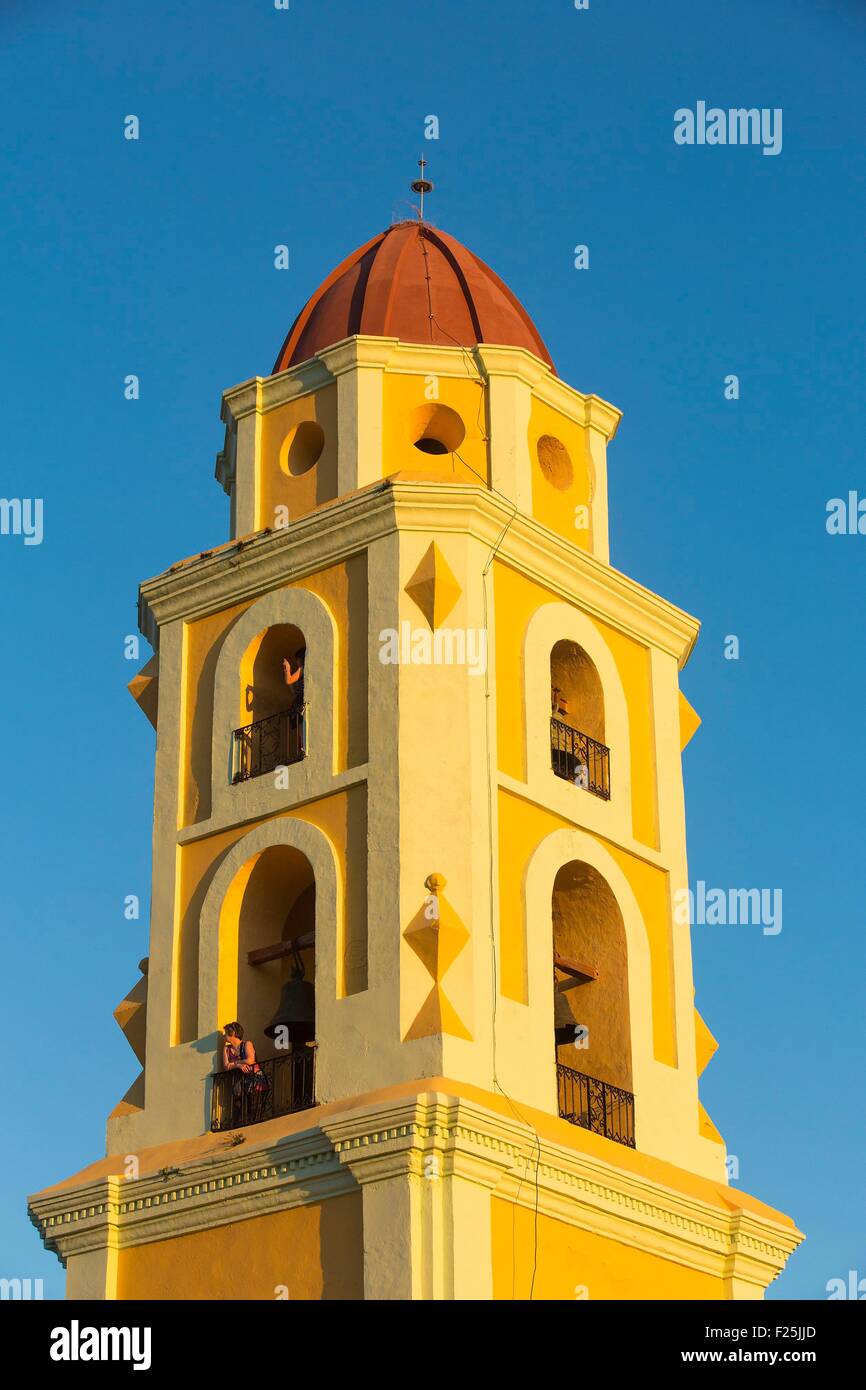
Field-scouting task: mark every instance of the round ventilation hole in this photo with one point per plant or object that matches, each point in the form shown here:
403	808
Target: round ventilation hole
436	429
302	448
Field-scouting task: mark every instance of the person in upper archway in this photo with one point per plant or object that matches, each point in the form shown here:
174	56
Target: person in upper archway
250	1085
295	678
295	682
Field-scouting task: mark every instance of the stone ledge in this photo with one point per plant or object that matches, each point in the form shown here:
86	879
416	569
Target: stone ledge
568	1174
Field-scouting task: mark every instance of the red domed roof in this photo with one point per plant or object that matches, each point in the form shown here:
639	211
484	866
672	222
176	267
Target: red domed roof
415	283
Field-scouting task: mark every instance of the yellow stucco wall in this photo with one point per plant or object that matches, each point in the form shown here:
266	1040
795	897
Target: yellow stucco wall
548	1259
555	505
279	486
404	394
633	664
312	1252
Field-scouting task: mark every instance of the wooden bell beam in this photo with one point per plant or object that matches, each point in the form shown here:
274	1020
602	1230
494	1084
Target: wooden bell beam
266	953
282	948
577	971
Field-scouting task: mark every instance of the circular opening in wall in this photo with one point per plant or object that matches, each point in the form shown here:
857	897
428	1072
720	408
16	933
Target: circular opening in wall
302	447
436	429
554	461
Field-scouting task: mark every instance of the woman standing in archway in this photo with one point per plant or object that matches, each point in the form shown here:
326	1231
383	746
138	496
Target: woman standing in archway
250	1085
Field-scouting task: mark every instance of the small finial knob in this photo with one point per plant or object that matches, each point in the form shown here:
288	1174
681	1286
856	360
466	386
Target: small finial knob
422	186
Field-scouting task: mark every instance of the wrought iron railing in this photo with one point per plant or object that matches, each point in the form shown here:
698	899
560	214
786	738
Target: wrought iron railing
268	744
580	759
595	1105
284	1085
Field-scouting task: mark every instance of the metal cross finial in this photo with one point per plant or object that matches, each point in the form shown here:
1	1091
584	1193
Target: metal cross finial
422	186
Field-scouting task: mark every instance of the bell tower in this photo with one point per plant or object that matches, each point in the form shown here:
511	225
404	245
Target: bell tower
418	827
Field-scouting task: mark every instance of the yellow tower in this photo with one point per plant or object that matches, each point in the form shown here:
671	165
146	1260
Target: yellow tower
419	827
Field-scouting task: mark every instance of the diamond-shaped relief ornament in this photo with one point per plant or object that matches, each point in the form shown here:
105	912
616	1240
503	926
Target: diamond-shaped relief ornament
437	1015
436	934
433	587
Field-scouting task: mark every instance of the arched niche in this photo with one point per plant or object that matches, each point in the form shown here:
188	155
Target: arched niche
264	690
577	694
554	853
277	905
589	932
252	652
562	637
257	894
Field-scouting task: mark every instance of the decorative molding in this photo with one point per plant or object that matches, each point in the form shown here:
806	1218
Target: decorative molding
392	355
292	802
226	1187
240	400
572	1186
335	531
389	1140
361	350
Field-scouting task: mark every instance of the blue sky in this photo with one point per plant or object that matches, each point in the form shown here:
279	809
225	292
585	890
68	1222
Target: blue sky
155	257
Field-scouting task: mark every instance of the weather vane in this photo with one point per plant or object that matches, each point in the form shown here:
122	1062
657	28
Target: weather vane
421	186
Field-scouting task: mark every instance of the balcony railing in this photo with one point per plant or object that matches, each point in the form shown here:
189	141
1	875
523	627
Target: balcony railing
268	744
595	1105
580	759
291	1085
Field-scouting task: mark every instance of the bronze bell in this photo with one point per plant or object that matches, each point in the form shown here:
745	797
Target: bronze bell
296	1012
564	1017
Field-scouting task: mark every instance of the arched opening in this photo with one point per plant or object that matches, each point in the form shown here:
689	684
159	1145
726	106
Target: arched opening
436	429
266	688
302	448
591	1005
577	696
278	907
272	700
578	750
275	988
